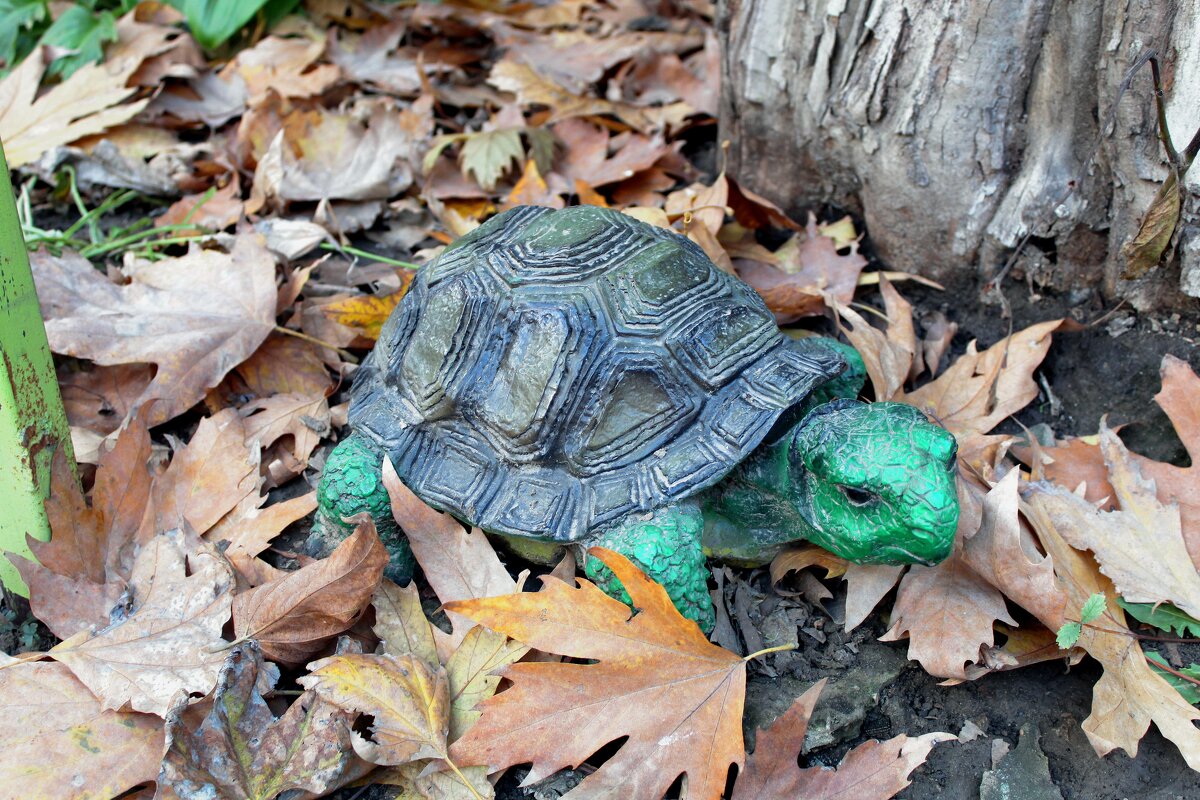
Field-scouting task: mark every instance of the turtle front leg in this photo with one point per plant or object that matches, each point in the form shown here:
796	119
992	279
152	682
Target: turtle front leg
351	484
666	546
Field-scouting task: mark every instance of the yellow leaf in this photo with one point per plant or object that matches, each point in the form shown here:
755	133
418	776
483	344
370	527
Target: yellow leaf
408	698
1145	249
367	313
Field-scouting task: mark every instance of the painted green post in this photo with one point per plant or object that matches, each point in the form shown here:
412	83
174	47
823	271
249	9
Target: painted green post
32	419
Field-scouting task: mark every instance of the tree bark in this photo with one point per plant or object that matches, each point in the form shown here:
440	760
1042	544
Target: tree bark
958	128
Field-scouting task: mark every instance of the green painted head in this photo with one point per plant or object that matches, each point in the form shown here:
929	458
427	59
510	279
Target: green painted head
876	482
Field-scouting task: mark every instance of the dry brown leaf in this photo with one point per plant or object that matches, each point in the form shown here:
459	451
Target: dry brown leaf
805	556
888	355
83	568
979	390
810	268
295	617
286	67
239	748
205	480
1003	552
248	529
587	147
1180	399
704	204
100	398
170	642
866	585
285	364
195	317
657	680
948	609
872	771
409	699
93	99
337	156
1140	547
531	88
459	564
1129	695
58	741
216	212
1080	460
305	418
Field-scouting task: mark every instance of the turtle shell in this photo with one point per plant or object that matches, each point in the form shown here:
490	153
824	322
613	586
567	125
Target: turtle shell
554	371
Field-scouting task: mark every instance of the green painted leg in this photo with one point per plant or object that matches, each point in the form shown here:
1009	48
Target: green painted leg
667	548
33	424
351	484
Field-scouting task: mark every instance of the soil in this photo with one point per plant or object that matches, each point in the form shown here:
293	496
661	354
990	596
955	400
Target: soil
874	692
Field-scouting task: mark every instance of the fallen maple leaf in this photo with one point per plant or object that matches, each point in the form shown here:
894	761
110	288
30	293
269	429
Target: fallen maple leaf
305	418
409	699
979	390
241	750
531	88
283	66
1140	547
248	529
810	268
169	641
93	99
285	364
459	564
195	317
866	585
58	741
871	771
366	313
401	624
101	398
296	616
1129	695
657	680
82	571
206	479
336	155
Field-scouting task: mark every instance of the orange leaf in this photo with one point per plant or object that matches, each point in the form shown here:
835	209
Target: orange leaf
872	771
658	681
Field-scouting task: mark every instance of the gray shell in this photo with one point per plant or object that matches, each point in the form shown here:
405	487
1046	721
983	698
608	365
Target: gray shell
554	371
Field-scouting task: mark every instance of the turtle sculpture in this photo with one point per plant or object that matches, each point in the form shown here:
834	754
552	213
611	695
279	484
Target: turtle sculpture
578	378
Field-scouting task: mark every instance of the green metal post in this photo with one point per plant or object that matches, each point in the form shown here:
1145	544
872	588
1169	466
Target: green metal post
32	419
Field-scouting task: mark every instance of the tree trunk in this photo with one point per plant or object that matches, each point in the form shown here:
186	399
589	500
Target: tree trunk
956	128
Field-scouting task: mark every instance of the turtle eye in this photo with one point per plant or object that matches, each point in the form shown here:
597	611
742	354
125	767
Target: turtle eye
858	497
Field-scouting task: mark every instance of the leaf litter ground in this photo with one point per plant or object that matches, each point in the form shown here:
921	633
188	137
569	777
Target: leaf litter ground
646	146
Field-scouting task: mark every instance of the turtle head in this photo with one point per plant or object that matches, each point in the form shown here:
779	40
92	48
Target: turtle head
876	482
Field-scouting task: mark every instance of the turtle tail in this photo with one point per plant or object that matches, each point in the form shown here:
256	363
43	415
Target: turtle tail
352	483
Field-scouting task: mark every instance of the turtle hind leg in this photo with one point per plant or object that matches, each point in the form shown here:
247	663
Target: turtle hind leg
667	548
352	483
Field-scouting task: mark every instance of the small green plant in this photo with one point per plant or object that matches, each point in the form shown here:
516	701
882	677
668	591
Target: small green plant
91	240
1068	634
83	28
